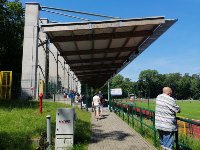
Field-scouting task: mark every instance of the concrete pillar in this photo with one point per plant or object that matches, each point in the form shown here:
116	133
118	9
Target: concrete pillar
43	57
79	86
72	80
53	65
68	78
65	77
30	51
75	84
61	71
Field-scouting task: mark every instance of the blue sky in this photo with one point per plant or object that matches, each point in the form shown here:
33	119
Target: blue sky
177	50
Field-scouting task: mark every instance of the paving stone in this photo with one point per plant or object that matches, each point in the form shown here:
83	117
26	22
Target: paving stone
112	133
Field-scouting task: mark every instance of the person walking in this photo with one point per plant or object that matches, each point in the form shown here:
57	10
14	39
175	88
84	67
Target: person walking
72	96
165	118
101	103
96	105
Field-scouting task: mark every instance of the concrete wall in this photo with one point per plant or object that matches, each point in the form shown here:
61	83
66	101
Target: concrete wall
53	56
42	58
30	51
61	72
37	57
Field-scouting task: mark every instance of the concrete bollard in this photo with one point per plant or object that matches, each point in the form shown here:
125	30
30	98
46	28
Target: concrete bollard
48	117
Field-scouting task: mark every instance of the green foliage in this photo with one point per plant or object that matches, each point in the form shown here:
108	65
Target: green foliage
20	122
151	83
120	82
184	87
11	38
195	87
117	81
11	35
82	130
189	109
171	80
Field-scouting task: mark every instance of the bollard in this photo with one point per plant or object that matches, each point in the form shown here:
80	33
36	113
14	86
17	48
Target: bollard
71	101
54	97
81	104
48	117
40	97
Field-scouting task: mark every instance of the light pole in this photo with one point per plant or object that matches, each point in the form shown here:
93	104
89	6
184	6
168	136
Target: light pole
143	88
109	95
148	94
148	81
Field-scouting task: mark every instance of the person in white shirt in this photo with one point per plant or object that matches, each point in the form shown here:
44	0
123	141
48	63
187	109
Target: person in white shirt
96	105
165	118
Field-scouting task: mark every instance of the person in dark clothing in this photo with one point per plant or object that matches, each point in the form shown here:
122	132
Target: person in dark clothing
101	102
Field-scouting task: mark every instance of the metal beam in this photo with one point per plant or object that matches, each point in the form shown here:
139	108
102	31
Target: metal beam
93	67
102	36
94	60
97	51
93	80
94	72
96	84
94	76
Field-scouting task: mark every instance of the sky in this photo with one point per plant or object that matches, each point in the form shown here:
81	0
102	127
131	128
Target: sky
177	50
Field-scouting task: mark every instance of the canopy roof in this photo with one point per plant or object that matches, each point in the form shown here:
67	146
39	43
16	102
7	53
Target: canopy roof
97	50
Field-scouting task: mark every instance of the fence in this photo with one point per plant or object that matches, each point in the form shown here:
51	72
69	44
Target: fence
185	137
188	134
5	84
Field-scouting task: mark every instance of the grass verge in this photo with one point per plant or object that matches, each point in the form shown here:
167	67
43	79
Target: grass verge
21	122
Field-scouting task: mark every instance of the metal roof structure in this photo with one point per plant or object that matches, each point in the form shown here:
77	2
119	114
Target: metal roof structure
97	50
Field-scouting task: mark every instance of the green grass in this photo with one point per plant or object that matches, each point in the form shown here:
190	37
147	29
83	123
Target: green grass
20	121
82	130
189	109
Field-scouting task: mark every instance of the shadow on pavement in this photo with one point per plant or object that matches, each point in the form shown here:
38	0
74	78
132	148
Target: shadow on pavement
114	135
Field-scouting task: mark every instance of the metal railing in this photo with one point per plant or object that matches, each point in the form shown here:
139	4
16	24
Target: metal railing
188	129
146	118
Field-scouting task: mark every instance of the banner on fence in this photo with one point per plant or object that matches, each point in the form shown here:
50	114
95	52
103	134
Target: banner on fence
116	92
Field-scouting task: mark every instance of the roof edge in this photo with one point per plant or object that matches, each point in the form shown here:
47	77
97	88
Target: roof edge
100	21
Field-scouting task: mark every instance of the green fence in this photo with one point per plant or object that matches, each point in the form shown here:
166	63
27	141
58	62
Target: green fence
188	135
145	118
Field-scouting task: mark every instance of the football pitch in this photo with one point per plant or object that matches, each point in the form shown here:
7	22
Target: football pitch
189	109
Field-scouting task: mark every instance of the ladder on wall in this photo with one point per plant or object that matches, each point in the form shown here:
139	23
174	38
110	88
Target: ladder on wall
5	84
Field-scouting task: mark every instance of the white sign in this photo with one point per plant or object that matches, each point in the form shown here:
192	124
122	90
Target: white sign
116	92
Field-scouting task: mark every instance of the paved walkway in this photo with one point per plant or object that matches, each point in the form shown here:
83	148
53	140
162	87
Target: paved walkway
111	133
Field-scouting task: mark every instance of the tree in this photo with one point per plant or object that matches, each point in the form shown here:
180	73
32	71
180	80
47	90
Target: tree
11	38
171	80
151	81
184	88
127	87
117	81
195	87
125	83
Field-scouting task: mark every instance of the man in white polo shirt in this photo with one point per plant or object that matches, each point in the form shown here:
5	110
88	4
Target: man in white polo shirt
96	105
